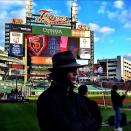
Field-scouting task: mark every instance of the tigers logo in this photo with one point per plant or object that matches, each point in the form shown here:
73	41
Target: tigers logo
37	44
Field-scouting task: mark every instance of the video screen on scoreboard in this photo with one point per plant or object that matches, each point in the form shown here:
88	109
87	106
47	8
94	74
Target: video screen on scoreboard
47	46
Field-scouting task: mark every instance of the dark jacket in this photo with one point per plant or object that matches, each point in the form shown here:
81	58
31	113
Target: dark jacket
94	109
117	100
60	110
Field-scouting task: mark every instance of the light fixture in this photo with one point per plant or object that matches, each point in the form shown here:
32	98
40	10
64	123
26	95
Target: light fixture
74	11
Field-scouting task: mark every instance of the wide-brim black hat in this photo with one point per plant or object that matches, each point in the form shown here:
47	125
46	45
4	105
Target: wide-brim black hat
64	60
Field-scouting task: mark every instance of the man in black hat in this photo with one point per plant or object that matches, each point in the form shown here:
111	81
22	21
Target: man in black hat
59	108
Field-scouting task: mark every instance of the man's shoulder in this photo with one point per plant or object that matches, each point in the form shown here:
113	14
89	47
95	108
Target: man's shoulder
90	101
93	102
44	95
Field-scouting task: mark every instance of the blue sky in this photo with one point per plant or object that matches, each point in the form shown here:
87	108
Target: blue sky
109	19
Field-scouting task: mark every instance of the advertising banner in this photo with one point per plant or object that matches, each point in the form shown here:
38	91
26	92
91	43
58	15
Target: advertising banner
17	66
85	53
80	33
42	45
41	60
17	21
85	43
15	50
37	44
73	45
101	67
63	43
21	28
51	31
16	38
53	45
104	66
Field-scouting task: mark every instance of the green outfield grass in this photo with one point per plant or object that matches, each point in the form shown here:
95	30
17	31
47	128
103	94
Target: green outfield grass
22	117
18	117
108	112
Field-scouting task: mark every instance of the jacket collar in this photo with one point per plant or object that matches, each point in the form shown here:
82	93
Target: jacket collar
61	88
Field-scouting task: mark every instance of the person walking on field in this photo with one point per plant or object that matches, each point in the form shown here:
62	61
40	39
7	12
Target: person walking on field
117	102
59	107
91	105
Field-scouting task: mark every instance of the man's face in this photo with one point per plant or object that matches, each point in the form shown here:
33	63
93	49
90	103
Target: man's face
72	76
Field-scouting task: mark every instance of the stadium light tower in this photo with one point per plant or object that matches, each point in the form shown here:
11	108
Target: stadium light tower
28	11
74	12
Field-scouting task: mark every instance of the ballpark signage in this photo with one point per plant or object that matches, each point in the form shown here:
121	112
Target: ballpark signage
85	43
48	19
15	50
37	44
41	60
80	33
16	38
21	28
82	27
17	21
51	31
85	48
85	53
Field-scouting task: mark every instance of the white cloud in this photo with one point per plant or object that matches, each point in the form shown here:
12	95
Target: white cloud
123	15
94	26
97	28
3	14
120	14
96	39
111	14
119	4
111	41
19	14
100	31
125	18
116	13
10	4
127	25
129	54
57	12
129	39
102	8
107	30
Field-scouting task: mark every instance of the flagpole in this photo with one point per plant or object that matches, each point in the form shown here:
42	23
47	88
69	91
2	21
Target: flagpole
100	71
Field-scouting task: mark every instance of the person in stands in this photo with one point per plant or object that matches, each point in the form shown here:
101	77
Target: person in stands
92	106
117	101
59	107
